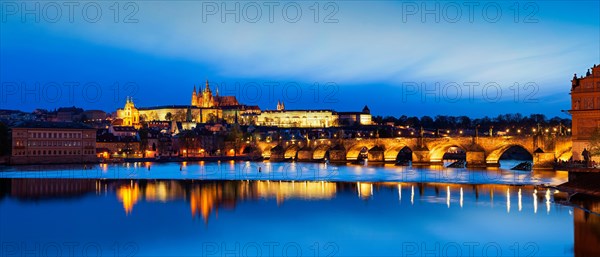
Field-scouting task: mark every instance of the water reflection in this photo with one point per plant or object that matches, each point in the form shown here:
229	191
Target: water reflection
208	196
129	196
586	219
203	200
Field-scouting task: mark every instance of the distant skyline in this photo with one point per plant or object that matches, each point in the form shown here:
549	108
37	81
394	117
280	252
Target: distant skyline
387	55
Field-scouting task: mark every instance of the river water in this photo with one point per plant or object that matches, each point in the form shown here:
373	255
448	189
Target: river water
289	209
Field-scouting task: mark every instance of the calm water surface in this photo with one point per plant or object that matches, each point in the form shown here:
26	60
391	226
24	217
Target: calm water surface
287	171
130	210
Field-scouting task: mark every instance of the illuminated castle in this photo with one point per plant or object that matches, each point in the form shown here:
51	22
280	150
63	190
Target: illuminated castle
208	108
205	98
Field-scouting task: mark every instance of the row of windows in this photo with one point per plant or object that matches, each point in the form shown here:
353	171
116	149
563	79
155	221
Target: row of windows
56	135
53	152
53	143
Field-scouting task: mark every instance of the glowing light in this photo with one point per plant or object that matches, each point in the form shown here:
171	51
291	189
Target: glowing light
365	190
508	200
520	205
399	192
535	204
548	200
461	197
448	196
412	194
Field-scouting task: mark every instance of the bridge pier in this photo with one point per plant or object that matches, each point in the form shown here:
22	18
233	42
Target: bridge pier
543	161
305	154
420	157
337	153
376	154
476	159
277	154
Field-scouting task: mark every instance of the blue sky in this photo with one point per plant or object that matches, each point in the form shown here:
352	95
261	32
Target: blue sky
385	54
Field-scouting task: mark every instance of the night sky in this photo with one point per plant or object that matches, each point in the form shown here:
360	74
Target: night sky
491	58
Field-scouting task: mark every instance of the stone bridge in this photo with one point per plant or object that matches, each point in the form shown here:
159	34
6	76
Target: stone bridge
480	151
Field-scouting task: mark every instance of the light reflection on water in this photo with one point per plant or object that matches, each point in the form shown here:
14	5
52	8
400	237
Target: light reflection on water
185	217
288	172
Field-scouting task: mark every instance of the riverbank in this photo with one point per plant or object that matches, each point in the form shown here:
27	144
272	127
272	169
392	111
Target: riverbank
582	181
194	159
155	160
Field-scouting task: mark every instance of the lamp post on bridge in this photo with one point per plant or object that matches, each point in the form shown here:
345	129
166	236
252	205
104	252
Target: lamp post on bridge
477	133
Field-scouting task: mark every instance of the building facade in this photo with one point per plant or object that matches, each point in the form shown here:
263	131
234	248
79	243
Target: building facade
129	115
53	142
585	110
308	118
298	118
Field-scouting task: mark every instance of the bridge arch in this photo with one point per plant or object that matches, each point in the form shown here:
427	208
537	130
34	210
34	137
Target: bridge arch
266	151
249	150
493	157
321	151
436	154
355	151
292	151
391	154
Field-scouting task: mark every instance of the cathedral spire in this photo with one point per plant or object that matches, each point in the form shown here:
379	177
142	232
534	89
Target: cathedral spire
194	97
207	88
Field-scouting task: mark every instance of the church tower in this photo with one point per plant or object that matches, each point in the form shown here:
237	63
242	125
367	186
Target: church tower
129	114
194	97
207	97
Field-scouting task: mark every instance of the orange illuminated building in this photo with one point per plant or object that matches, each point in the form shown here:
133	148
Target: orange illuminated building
53	142
585	109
